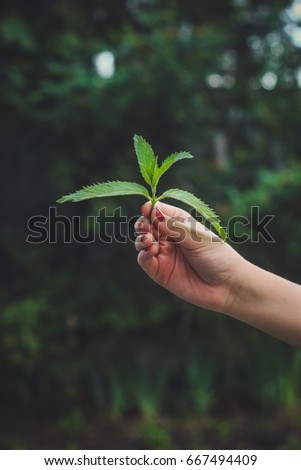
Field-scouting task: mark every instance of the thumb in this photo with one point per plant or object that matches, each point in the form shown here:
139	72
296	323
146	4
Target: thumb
178	225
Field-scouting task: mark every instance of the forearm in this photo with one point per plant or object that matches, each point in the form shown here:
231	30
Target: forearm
267	302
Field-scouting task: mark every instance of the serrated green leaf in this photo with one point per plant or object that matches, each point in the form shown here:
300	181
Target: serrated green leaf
167	163
110	188
199	205
146	158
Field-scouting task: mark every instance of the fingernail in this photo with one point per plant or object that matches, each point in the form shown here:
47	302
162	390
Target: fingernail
143	238
139	225
159	215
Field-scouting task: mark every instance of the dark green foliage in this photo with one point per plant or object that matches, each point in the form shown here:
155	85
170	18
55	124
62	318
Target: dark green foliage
90	350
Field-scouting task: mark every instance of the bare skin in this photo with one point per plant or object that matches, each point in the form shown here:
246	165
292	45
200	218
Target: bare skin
195	265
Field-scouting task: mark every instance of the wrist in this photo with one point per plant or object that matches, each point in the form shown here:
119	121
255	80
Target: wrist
267	302
244	288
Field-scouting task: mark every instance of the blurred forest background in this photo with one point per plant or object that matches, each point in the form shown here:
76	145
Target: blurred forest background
93	355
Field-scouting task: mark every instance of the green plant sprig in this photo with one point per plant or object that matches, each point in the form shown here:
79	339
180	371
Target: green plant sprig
151	173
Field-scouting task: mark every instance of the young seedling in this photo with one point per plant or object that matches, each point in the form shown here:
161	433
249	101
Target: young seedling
151	173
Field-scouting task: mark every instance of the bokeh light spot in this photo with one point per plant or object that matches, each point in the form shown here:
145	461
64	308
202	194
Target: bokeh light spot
105	64
269	81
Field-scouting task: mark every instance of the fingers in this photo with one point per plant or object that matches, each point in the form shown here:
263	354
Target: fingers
142	225
179	226
148	248
148	262
145	209
170	211
147	245
144	241
147	242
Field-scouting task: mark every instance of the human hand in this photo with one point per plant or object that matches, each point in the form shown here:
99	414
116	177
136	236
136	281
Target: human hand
183	256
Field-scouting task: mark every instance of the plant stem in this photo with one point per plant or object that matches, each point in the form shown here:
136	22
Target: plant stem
153	200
